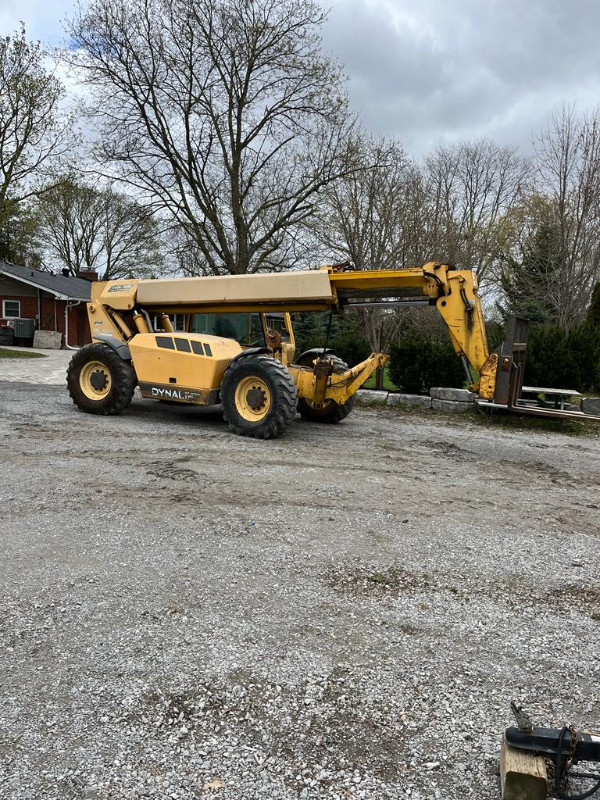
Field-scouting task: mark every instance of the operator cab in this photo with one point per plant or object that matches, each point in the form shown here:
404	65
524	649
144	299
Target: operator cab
272	330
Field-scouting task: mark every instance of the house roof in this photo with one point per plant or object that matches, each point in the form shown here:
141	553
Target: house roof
65	288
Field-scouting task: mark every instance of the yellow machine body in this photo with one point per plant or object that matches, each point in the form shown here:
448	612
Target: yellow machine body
181	367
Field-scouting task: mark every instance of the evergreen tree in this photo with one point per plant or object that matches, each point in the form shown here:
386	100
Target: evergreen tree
18	229
529	283
593	314
310	330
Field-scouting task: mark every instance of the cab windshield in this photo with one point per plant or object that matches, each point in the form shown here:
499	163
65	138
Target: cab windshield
243	327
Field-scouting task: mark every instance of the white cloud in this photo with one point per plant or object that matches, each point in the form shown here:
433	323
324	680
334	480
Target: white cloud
434	70
438	71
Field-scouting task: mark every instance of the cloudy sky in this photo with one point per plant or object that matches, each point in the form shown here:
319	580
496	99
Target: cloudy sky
428	71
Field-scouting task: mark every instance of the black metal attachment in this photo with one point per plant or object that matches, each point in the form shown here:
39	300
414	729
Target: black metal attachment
511	358
549	742
564	746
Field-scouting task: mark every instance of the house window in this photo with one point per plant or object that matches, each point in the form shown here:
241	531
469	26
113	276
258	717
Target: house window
178	321
11	308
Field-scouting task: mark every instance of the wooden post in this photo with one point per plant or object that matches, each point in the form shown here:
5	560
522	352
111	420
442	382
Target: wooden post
522	774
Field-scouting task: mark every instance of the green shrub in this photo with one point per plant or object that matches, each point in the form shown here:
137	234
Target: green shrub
350	347
593	314
547	360
406	365
417	363
345	338
583	347
564	359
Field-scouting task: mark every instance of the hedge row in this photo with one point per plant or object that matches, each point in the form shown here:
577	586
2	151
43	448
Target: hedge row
564	359
555	358
418	363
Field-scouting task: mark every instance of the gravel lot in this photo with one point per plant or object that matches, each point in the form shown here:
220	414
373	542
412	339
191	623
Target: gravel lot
345	612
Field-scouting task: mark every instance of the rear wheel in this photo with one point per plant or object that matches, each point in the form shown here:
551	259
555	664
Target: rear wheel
330	412
99	381
258	396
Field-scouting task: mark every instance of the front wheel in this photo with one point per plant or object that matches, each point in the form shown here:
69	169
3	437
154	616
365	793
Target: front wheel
99	381
258	396
330	412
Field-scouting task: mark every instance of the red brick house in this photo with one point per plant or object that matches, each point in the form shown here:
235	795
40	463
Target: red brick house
56	302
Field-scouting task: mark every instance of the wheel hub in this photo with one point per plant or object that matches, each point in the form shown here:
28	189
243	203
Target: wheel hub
98	380
256	398
95	380
253	398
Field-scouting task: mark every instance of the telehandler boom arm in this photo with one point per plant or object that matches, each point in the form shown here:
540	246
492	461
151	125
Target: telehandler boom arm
453	292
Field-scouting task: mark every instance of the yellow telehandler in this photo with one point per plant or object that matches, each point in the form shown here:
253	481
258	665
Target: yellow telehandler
229	340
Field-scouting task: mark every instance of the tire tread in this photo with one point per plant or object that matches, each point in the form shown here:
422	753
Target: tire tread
284	409
122	375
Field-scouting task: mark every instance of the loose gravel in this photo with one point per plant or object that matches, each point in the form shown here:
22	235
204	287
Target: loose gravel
345	612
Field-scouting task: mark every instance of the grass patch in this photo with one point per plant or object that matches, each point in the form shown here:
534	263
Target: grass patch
377	577
19	354
388	384
393	582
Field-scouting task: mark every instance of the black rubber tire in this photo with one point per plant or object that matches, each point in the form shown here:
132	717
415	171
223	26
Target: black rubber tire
284	398
332	412
122	376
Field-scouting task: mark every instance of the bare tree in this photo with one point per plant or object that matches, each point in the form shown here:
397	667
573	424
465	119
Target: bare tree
225	112
82	227
368	217
371	218
363	217
32	133
470	187
568	167
185	256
